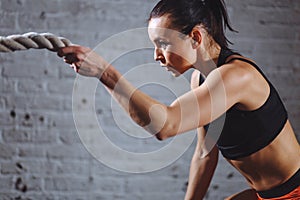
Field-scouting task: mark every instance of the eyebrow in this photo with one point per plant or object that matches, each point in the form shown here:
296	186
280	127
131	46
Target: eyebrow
159	39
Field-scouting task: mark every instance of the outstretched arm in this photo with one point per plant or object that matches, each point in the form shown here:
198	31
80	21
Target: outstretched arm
190	111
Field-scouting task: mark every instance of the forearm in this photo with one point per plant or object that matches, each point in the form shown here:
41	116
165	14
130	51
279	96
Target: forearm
143	109
201	173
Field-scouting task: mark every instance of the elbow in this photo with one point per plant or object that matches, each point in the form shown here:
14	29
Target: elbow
162	125
160	136
166	132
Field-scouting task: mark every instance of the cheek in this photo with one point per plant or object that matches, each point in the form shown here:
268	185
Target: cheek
175	59
183	55
181	59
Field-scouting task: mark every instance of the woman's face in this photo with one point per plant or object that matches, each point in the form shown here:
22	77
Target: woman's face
172	49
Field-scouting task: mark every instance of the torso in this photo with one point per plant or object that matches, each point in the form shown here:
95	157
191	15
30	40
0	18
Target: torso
272	165
275	163
278	161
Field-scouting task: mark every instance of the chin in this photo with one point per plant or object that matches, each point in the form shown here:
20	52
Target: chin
176	74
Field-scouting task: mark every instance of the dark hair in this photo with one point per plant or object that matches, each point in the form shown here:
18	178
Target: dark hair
186	14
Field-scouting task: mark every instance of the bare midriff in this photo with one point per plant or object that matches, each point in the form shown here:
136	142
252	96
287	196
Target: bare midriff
272	165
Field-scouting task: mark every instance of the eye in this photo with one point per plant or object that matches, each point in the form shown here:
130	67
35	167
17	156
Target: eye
163	44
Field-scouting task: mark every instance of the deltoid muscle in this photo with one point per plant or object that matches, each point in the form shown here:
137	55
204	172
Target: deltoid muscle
32	40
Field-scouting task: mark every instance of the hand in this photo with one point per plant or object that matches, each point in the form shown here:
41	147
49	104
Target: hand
83	60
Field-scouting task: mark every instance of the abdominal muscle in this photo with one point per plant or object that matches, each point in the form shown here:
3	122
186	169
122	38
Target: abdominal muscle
272	165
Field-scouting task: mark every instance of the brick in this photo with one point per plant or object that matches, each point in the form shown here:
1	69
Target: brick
31	86
264	32
69	137
12	6
61	121
14	136
65	72
69	196
20	102
27	183
61	87
44	137
7	85
73	168
109	196
2	103
5	184
28	69
30	6
108	185
29	120
31	152
67	152
43	102
25	120
12	168
154	195
101	170
36	167
32	21
7	20
7	151
160	185
273	4
66	184
6	118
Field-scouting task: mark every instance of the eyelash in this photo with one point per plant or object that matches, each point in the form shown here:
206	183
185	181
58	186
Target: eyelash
163	44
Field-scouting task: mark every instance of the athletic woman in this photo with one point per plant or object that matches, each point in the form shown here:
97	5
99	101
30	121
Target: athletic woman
257	137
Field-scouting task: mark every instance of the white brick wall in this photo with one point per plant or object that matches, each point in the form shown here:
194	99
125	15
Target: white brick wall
41	155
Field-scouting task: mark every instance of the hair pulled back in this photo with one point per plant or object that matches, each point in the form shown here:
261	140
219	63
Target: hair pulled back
186	14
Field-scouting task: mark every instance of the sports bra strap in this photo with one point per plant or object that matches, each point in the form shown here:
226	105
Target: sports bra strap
251	63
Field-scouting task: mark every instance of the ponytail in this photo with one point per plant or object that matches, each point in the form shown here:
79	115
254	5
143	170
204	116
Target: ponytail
186	14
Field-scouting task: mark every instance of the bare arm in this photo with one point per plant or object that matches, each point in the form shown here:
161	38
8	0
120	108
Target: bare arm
202	168
190	111
204	160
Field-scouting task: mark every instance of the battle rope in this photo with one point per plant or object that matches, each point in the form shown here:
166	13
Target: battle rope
32	40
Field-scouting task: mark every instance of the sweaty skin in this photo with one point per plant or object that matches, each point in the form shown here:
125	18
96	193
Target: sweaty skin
229	85
277	162
280	160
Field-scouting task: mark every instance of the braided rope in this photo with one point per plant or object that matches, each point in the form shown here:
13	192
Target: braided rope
32	40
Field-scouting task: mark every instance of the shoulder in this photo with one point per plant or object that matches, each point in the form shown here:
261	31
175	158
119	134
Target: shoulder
236	73
233	77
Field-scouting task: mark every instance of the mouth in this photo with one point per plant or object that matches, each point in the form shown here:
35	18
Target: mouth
167	67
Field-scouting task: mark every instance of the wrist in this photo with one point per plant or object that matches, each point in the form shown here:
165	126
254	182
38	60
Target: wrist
109	77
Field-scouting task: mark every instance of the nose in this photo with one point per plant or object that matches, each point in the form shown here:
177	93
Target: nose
158	56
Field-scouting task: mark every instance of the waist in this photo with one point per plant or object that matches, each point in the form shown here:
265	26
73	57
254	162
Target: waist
283	189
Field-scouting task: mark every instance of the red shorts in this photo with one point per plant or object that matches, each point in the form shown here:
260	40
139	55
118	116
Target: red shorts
290	190
293	195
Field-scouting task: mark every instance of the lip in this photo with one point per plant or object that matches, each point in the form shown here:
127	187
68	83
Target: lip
170	69
167	67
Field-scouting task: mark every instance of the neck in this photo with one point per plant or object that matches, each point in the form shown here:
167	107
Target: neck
208	58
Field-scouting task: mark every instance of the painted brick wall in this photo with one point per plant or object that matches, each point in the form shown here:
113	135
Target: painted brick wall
41	154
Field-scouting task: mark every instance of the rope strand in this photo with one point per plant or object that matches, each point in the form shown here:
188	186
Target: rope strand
32	40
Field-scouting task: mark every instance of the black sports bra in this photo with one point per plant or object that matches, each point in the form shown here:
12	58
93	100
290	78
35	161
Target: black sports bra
246	132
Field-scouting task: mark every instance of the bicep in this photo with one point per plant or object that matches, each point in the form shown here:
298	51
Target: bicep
207	102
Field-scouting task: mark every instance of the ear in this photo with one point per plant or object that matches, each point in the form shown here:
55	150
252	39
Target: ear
196	37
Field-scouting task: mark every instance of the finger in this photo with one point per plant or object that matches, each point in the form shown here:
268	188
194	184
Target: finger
76	67
67	50
72	49
71	58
